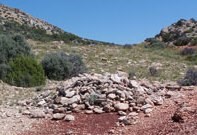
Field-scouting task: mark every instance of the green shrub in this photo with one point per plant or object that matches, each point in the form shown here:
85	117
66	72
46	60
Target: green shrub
168	37
190	78
11	46
4	68
155	44
59	66
25	72
77	65
192	58
194	42
153	71
182	41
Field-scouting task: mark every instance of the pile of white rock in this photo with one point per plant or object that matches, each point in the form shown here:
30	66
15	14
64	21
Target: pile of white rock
96	93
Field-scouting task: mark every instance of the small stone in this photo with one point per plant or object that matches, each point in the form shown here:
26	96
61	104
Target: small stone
74	99
37	114
122	118
74	105
69	118
144	107
57	100
108	108
26	112
133	114
121	106
58	116
134	83
59	110
130	109
148	110
88	111
112	96
42	103
115	78
98	110
170	94
121	113
149	101
63	100
70	94
157	100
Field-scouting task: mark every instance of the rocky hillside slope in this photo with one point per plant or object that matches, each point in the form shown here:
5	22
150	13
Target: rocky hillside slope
13	20
183	32
13	14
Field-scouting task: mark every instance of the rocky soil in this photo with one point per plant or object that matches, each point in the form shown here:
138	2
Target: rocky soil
103	104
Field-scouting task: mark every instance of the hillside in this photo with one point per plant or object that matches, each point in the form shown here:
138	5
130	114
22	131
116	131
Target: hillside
13	20
130	89
183	32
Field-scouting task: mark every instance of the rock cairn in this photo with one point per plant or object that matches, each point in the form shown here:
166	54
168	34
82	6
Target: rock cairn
96	93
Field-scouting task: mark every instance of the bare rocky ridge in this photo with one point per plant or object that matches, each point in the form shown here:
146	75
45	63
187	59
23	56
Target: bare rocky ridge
16	15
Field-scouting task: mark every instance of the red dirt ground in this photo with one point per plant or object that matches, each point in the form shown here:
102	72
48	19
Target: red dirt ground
83	125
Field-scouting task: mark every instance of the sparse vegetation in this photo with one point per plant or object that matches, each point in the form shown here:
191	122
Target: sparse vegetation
194	42
181	41
25	72
188	51
17	64
155	44
190	78
11	46
153	71
59	66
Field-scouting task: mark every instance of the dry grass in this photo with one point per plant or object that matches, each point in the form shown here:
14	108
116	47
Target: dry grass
136	59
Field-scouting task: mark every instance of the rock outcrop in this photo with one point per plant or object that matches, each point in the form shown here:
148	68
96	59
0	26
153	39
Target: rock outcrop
183	32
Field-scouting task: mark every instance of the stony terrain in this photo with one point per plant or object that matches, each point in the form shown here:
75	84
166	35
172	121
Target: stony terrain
96	93
97	104
184	31
104	101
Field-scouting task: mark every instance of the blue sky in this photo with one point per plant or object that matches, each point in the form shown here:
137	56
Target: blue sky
118	21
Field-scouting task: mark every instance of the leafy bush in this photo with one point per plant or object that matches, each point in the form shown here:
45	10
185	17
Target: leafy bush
77	65
4	68
190	78
182	41
25	72
11	46
59	66
194	42
188	51
192	58
168	37
156	44
153	71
